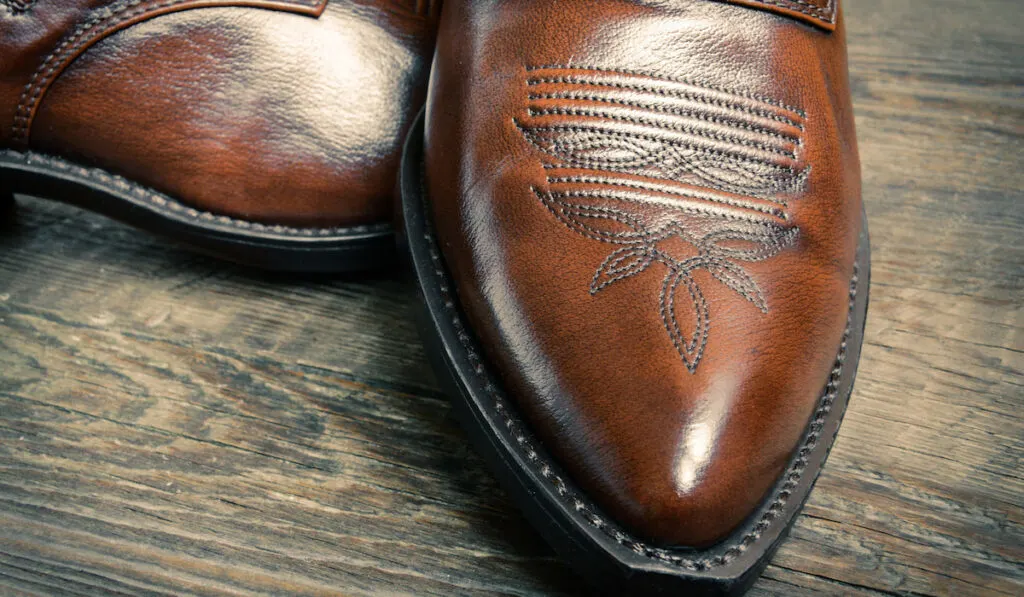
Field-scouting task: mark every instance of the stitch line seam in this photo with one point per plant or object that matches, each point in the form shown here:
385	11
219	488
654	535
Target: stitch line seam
582	80
792	475
160	201
676	127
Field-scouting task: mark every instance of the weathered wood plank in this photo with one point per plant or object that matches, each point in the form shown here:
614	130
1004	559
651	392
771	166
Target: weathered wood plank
170	425
188	462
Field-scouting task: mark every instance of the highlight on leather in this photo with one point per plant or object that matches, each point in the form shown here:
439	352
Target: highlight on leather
108	20
642	162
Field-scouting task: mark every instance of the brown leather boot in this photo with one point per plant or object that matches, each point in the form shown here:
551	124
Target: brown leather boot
637	227
263	131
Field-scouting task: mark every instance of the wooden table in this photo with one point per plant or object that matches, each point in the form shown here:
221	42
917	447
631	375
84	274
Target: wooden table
173	425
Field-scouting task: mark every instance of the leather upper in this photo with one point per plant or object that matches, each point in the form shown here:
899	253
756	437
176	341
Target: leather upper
650	210
282	111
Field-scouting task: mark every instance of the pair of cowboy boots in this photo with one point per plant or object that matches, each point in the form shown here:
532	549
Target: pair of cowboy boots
636	225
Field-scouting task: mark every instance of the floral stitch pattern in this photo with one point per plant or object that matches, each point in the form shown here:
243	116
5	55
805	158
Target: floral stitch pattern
686	177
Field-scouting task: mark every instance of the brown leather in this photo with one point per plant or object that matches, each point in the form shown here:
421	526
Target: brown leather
282	111
816	12
650	210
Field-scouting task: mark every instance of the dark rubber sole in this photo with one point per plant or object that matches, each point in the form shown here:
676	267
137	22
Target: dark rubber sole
593	544
278	248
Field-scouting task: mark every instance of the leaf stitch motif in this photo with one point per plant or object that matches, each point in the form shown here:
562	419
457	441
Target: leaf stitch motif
672	162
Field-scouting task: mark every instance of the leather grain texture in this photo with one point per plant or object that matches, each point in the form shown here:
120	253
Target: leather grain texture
278	111
651	212
113	18
669	159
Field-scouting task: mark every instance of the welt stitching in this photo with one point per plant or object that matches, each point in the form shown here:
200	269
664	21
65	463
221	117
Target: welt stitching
162	201
579	79
662	92
717	260
674	127
792	475
647	187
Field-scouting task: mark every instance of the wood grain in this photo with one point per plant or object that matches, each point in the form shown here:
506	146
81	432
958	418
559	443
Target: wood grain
170	425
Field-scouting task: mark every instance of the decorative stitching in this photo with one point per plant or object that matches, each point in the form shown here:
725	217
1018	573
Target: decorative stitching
697	134
613	270
726	231
650	85
644	199
539	463
671	94
107	20
749	125
648	121
689	351
779	184
630	139
660	188
159	201
714	257
664	160
591	97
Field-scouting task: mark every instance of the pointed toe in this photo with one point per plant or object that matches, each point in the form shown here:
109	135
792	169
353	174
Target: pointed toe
645	285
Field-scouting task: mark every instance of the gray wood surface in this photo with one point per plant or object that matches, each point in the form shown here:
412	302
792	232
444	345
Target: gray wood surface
170	425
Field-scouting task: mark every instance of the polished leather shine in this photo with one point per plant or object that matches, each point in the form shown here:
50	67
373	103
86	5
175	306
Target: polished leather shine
650	210
278	111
